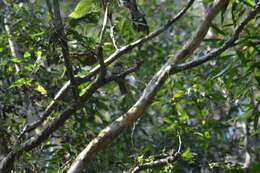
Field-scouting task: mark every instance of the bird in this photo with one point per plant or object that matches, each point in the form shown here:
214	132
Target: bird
117	69
88	57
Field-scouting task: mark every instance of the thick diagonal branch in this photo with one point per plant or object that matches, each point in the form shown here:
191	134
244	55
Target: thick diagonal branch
200	33
35	141
107	135
227	44
119	52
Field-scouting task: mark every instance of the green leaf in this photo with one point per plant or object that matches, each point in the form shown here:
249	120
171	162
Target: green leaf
181	112
16	60
84	7
21	82
207	1
83	88
248	3
188	154
27	55
179	93
40	89
172	126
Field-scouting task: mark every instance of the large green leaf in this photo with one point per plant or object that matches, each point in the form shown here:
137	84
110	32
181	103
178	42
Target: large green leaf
84	7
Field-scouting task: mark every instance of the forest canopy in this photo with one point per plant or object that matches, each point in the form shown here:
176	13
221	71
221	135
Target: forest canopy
129	86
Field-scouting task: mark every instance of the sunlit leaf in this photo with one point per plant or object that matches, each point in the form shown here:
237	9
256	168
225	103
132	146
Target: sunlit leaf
188	154
16	60
40	89
22	81
84	7
178	94
27	55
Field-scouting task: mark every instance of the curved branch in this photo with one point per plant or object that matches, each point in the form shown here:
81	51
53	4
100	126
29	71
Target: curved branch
46	132
46	113
107	135
109	60
125	49
157	163
226	45
59	121
200	33
14	47
164	159
99	46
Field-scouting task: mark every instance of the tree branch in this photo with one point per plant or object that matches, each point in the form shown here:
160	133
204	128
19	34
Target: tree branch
112	35
4	147
109	60
59	121
124	73
46	113
125	49
107	135
59	29
164	160
226	45
14	48
200	33
157	163
99	47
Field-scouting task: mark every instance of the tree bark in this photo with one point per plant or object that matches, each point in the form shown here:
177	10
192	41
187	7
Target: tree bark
107	135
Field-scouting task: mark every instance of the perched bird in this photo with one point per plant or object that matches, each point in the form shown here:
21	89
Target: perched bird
118	68
87	58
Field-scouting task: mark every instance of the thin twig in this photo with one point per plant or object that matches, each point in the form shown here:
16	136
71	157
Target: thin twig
163	159
157	163
180	143
108	61
112	35
104	23
99	47
59	28
132	134
45	114
130	46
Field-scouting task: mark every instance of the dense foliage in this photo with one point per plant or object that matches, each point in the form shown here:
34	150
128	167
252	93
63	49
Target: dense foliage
208	115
